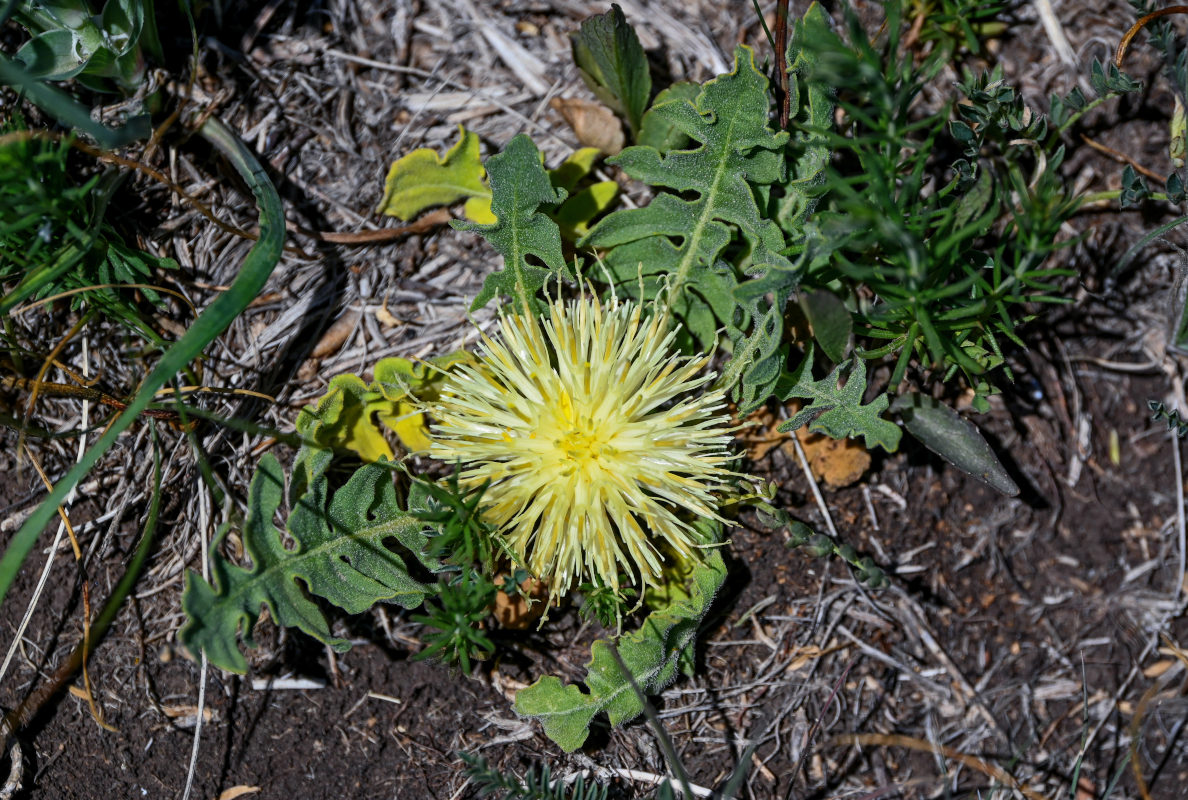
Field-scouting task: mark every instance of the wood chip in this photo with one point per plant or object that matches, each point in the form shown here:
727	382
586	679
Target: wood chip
337	334
238	791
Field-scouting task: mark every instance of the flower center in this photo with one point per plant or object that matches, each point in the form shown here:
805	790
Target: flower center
581	442
581	446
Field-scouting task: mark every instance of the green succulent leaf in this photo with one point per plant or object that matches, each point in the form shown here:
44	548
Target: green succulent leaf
54	55
528	240
651	654
340	554
613	65
836	409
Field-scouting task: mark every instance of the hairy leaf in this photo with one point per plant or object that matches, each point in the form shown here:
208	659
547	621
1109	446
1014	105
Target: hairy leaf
955	439
659	133
339	554
613	65
528	240
652	655
812	120
680	243
422	180
837	410
348	417
757	360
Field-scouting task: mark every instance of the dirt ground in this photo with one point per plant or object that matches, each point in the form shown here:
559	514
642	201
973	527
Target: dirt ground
1039	637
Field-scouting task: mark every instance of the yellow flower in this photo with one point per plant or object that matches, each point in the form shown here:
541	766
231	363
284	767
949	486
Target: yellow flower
598	446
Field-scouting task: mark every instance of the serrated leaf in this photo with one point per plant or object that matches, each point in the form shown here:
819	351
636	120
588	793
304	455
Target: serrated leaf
756	361
528	240
422	179
652	655
837	410
339	554
679	243
955	439
613	64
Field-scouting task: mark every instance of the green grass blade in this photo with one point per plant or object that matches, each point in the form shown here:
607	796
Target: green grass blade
258	265
1138	246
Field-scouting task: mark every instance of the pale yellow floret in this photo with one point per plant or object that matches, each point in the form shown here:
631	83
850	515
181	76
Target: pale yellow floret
597	444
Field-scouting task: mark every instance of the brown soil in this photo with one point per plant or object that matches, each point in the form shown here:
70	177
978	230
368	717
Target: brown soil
1039	636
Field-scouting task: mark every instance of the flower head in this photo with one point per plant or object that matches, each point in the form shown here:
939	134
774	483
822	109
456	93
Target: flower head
597	445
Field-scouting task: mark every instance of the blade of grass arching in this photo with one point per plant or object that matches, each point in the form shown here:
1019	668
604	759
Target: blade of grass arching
29	707
59	105
257	266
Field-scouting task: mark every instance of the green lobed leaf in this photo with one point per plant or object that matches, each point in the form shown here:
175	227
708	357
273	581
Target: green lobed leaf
652	655
758	359
343	419
339	554
423	179
954	438
680	243
583	205
613	65
528	240
838	411
349	416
